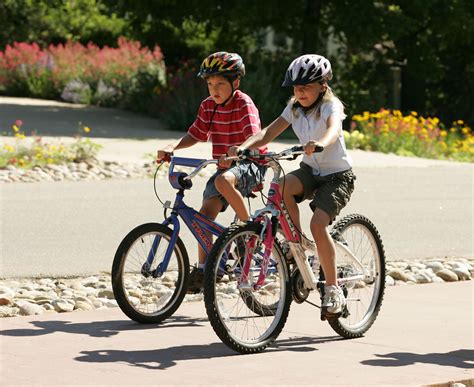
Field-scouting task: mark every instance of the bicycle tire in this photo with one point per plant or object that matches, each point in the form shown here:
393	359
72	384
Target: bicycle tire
141	296
362	237
220	305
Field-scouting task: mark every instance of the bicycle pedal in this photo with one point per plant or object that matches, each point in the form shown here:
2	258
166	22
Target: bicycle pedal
325	315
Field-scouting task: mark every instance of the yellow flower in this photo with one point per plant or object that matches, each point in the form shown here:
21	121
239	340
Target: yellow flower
443	133
20	136
465	130
49	161
86	129
414	113
21	162
15	128
8	148
460	122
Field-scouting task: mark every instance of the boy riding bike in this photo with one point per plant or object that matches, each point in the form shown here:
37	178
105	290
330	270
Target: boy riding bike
326	178
228	117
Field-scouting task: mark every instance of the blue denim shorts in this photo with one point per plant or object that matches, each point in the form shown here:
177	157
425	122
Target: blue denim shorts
248	174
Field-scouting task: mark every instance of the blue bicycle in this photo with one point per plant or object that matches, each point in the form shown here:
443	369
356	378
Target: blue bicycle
150	272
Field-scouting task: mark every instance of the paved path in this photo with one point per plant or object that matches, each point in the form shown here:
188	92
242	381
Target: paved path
423	335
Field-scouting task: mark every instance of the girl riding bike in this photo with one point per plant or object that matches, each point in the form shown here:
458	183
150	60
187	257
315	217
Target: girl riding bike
325	178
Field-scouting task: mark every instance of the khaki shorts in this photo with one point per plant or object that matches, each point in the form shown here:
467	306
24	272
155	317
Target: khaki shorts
329	193
248	174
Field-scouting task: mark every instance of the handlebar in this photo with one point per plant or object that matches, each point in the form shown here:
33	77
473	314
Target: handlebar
199	167
290	152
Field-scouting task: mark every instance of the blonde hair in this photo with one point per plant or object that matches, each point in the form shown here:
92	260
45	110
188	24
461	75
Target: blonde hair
324	97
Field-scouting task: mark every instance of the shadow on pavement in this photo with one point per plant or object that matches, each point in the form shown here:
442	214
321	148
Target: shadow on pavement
164	358
462	358
99	328
68	120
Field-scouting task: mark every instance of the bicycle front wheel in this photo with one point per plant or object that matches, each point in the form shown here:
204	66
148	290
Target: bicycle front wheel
245	315
145	291
364	296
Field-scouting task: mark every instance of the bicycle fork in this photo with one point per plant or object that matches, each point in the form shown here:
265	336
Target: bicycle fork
268	236
163	265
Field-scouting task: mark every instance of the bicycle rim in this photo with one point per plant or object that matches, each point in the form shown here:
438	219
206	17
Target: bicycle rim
141	293
246	317
364	296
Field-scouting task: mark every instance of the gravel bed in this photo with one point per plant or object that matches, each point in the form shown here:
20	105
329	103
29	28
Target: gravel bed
96	170
33	296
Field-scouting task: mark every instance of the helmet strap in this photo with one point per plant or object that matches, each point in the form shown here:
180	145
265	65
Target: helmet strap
231	81
307	109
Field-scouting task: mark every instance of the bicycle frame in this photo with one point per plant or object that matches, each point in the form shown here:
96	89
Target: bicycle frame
197	223
275	208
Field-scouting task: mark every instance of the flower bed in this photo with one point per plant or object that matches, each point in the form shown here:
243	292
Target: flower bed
410	135
107	76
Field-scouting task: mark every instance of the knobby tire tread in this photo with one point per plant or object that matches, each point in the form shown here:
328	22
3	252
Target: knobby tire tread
209	294
335	233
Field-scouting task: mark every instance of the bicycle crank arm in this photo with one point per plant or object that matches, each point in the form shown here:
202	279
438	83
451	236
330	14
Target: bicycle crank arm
303	265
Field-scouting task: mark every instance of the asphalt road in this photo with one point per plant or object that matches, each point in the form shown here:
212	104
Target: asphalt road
422	208
74	228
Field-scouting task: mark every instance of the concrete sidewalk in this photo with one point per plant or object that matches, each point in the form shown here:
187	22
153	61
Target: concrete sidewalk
423	335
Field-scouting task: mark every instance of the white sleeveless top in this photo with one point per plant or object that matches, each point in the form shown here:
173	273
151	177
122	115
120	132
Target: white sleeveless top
334	158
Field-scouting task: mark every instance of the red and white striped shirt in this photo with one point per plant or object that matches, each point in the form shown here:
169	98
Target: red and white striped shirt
230	125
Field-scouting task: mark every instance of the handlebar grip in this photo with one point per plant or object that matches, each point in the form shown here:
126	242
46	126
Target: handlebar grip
250	153
300	148
165	159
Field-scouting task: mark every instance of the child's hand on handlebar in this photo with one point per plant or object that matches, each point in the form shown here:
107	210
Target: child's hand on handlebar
163	155
223	162
312	146
234	151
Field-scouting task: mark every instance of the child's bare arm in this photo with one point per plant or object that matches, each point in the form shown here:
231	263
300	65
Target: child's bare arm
184	142
263	137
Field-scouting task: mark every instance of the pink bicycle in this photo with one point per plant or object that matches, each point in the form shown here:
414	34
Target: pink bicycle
255	270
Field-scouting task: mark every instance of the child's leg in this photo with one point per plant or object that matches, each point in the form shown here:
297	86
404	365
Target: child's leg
290	187
226	185
211	208
326	248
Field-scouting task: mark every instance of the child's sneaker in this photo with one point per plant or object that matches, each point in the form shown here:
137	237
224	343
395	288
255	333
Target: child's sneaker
333	301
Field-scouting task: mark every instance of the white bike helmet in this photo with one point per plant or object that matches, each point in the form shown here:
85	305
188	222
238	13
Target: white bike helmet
307	69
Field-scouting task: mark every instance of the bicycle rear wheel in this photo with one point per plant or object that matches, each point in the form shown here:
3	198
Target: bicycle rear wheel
143	292
364	296
247	318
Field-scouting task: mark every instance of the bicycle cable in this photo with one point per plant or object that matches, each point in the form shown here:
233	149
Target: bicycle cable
154	183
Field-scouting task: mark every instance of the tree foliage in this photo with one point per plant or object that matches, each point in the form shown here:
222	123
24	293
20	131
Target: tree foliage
57	21
429	40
